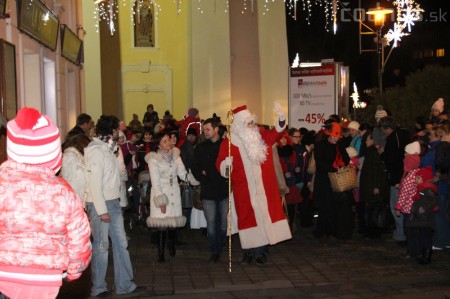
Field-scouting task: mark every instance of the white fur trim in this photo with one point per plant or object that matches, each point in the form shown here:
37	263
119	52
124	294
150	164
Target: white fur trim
177	221
272	234
278	127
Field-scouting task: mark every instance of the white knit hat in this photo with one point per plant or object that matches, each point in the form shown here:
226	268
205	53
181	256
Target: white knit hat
413	148
351	151
438	105
32	138
353	125
380	114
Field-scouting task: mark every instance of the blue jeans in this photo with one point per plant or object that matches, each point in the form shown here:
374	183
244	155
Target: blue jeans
216	212
398	234
123	272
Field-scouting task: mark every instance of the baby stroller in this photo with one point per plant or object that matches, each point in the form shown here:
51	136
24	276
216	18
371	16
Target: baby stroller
140	194
144	198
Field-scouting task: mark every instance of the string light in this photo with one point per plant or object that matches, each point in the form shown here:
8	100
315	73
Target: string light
108	10
329	7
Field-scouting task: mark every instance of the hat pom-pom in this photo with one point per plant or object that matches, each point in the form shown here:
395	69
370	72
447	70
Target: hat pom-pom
27	118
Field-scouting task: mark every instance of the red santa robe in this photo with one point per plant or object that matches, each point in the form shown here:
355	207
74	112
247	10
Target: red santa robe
260	216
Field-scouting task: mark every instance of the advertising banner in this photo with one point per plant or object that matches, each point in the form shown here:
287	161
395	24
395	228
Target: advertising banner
312	96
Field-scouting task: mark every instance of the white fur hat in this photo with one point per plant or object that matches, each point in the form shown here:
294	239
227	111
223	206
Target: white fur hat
438	105
351	151
353	125
413	148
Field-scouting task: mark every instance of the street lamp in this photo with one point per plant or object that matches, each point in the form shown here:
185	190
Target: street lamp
379	15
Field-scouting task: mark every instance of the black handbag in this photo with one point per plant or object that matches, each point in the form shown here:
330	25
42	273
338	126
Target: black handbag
187	194
379	215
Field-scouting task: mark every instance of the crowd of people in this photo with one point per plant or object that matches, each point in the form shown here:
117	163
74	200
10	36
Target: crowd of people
279	178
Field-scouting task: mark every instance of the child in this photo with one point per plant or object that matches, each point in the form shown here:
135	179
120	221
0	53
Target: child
421	219
408	189
359	207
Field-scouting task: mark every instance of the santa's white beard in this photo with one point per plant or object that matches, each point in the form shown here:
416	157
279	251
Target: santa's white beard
253	144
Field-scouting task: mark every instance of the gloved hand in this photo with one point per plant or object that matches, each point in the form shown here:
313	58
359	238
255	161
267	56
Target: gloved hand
228	161
192	179
277	110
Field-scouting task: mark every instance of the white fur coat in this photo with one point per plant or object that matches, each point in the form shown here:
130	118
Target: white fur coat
165	190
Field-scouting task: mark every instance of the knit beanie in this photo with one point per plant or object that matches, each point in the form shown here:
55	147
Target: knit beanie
192	112
425	173
33	139
413	148
353	125
380	114
438	105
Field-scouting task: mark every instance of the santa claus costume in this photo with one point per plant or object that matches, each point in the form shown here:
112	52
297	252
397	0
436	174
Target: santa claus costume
260	216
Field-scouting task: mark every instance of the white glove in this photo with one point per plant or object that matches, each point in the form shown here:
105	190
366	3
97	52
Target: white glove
192	179
228	161
277	110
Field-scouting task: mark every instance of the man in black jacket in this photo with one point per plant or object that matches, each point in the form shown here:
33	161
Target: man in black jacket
392	155
214	187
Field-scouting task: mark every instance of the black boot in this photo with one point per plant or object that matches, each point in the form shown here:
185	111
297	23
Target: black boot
426	257
172	240
161	246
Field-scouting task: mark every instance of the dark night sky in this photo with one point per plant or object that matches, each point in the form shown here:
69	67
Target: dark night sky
314	43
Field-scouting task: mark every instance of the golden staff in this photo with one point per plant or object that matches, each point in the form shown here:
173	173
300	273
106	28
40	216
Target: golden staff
230	118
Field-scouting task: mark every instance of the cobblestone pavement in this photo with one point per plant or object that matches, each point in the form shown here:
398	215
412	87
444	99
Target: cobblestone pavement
299	268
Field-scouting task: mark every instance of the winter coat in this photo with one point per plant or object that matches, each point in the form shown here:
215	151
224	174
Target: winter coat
165	190
43	227
373	176
213	185
103	175
427	202
394	153
430	156
73	170
325	155
406	191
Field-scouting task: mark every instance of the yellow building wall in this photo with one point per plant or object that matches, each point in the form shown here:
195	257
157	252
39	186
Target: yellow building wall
159	75
191	64
211	79
92	74
274	64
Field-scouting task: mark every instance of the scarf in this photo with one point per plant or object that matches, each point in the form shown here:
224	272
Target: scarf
338	162
167	156
110	142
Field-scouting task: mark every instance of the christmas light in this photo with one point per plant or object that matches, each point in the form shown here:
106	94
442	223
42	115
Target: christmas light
355	95
408	12
296	62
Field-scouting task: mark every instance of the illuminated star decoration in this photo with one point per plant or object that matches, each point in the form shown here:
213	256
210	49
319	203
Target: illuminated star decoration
395	35
408	12
409	17
355	96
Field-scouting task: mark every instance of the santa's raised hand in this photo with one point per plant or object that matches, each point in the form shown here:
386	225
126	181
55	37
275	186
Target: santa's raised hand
280	125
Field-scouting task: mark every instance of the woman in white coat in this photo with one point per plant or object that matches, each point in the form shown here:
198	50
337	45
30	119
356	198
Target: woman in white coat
73	169
165	166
